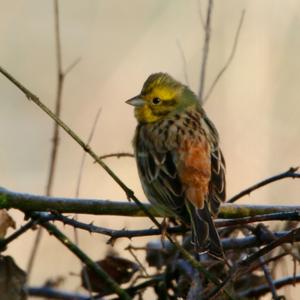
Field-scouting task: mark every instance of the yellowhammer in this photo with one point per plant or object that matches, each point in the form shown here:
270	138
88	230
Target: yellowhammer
180	164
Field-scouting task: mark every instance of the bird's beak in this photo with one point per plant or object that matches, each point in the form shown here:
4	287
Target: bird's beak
136	101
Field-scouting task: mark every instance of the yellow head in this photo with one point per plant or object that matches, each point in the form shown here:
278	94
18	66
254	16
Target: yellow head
161	96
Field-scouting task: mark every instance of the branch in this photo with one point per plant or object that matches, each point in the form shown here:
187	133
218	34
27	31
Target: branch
51	293
290	173
230	58
29	202
117	155
256	292
205	49
16	234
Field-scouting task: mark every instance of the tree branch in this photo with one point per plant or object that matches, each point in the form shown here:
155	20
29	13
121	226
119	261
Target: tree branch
256	292
229	60
29	202
51	293
290	173
205	51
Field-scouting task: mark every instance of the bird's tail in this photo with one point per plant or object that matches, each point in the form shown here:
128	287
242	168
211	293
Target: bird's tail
204	233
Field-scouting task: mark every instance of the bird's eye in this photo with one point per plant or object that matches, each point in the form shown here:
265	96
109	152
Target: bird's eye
156	100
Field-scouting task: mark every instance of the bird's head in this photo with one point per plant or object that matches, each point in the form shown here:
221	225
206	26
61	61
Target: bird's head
161	96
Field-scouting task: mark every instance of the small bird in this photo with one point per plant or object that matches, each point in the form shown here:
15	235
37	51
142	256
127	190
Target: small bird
180	164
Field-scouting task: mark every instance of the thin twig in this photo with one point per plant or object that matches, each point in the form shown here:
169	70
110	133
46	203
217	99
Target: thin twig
229	60
245	264
269	278
201	15
256	292
90	137
71	66
76	236
290	173
205	51
183	59
51	293
117	155
17	233
55	138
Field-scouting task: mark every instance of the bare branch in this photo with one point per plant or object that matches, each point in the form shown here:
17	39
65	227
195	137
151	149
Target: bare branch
269	279
16	234
51	293
201	15
205	50
84	153
71	66
229	60
256	292
183	58
117	155
55	136
29	202
290	173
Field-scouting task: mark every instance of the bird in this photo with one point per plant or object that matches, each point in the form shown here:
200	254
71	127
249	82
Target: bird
180	164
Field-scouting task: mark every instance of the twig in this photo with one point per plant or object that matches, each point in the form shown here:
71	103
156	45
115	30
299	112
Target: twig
76	236
84	153
290	173
256	292
17	233
280	216
290	237
55	138
269	279
205	49
110	283
117	155
51	293
245	264
201	15
229	60
228	243
137	260
183	58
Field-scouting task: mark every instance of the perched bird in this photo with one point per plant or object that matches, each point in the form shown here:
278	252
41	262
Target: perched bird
180	164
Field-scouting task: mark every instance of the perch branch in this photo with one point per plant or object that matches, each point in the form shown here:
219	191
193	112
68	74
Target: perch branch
29	203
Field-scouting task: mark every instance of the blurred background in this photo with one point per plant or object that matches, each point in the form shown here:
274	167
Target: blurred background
255	105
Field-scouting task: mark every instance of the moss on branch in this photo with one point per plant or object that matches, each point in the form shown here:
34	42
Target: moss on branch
29	203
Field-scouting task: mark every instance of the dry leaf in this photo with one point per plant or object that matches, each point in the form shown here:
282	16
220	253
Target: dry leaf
6	221
118	268
12	280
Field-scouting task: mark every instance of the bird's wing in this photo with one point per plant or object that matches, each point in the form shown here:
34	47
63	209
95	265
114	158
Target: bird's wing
217	185
159	175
